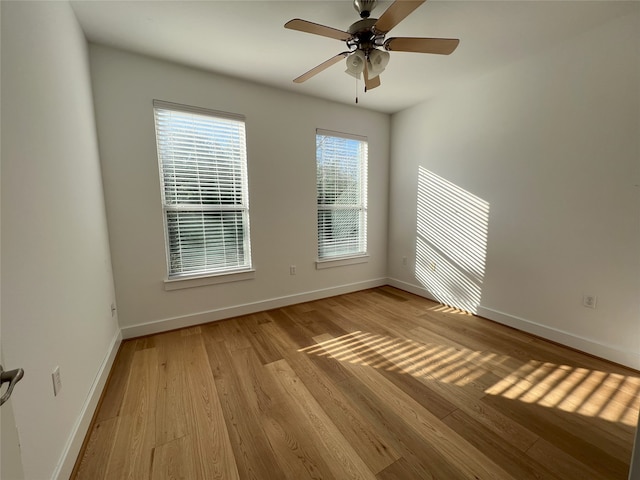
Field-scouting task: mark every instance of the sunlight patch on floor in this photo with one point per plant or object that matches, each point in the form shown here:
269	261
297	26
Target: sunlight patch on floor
609	396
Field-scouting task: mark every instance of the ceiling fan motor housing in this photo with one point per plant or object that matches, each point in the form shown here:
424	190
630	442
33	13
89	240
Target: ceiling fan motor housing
364	7
364	37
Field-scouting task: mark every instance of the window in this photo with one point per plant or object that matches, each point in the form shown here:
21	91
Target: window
203	172
341	172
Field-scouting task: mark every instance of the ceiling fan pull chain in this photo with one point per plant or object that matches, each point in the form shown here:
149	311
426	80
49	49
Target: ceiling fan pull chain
356	90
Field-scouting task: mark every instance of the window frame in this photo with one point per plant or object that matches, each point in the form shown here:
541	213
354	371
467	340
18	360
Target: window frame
360	256
207	275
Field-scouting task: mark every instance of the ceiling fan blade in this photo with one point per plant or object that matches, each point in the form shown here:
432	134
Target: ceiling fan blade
370	83
440	46
316	29
397	12
321	67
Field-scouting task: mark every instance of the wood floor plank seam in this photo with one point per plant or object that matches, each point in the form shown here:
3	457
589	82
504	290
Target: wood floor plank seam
430	427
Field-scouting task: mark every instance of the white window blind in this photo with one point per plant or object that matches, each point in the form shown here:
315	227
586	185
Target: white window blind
203	170
341	173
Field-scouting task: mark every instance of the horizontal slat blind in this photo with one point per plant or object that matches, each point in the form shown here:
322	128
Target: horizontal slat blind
203	170
341	167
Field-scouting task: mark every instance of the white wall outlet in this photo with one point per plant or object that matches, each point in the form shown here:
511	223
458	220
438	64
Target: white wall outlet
589	301
57	381
113	309
292	269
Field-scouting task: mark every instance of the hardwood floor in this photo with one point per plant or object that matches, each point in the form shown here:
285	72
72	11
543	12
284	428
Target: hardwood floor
378	384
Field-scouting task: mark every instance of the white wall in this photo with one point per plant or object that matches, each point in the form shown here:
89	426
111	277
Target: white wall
281	162
57	285
551	144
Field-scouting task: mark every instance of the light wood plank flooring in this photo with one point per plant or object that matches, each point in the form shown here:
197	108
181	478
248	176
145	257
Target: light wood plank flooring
378	384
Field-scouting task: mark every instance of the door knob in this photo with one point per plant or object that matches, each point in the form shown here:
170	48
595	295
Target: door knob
11	376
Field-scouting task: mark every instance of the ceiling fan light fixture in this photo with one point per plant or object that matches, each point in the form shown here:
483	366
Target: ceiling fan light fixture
355	63
378	60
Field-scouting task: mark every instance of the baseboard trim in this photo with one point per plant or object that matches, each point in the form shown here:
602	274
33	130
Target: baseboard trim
411	288
79	431
612	353
173	323
602	350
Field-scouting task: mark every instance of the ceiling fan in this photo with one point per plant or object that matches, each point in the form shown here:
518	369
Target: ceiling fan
368	50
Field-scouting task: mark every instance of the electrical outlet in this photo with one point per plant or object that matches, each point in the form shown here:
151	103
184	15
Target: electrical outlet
292	269
113	309
57	381
589	301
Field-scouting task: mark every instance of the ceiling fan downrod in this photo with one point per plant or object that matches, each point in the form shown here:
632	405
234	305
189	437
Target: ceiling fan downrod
364	7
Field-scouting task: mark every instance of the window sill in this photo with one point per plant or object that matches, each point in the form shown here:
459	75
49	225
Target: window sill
190	282
341	262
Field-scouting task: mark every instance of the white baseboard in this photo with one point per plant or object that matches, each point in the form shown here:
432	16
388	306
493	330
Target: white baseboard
609	352
173	323
80	428
411	288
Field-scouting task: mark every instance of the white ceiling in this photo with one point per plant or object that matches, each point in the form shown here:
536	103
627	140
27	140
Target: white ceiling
246	39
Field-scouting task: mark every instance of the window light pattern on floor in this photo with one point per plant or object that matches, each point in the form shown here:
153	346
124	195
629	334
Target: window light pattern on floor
608	396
